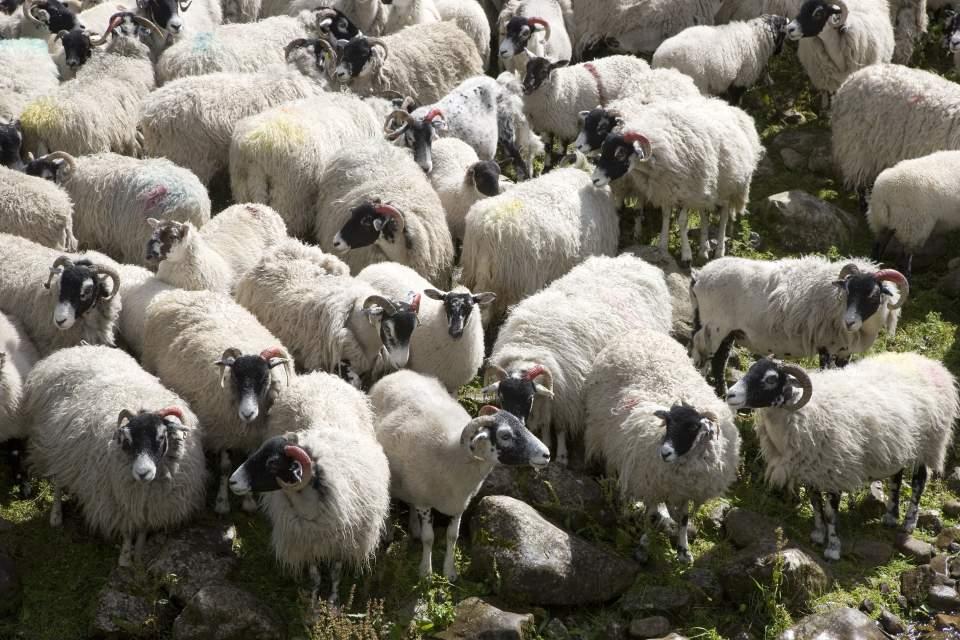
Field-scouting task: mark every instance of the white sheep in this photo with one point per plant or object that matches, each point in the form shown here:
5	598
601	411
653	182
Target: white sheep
555	336
725	59
196	342
62	299
794	307
658	427
38	19
140	472
749	9
17	358
138	288
472	19
217	255
36	209
439	457
516	243
838	430
447	344
28	73
324	479
532	28
909	19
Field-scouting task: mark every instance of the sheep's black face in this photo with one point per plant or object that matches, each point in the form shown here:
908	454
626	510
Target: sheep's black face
538	72
250	383
614	160
271	467
144	439
517	37
80	289
685	427
44	168
764	385
364	228
165	13
951	34
596	125
486	177
458	307
812	18
60	17
9	6
396	330
76	47
11	138
419	136
778	26
515	445
515	394
339	26
166	235
356	54
864	297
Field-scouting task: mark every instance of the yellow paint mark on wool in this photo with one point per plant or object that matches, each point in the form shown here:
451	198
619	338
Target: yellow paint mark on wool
509	210
40	115
278	134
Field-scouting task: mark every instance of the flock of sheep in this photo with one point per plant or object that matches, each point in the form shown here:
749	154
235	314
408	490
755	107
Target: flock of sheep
313	337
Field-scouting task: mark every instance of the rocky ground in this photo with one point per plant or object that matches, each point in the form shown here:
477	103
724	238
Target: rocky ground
549	556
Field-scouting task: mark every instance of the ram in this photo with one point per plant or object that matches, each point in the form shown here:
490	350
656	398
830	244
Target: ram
555	336
170	15
532	28
836	431
794	308
216	256
324	479
331	321
17	358
36	209
460	179
37	19
220	358
125	447
516	243
62	299
28	73
657	426
439	457
447	343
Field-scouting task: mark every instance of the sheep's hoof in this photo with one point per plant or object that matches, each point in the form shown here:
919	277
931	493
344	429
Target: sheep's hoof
26	490
817	536
889	520
451	576
832	553
684	556
222	507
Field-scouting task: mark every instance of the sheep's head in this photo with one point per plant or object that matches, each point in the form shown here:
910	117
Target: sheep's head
359	58
54	167
130	25
517	34
148	437
369	223
251	383
499	437
485	177
516	390
279	463
538	72
77	47
165	13
618	154
419	130
51	14
9	7
324	51
333	23
595	126
395	322
458	305
11	139
865	293
79	287
771	383
951	32
814	16
685	429
167	239
778	29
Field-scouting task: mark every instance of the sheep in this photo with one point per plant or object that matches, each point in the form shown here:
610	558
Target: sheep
916	116
62	299
726	59
555	336
96	111
516	243
28	72
276	157
187	333
744	10
426	61
461	179
951	37
909	20
126	447
369	17
704	154
11	139
190	121
38	19
640	383
446	344
439	456
912	198
216	256
17	358
375	205
138	290
324	479
36	209
839	37
794	307
529	28
331	321
838	430
472	19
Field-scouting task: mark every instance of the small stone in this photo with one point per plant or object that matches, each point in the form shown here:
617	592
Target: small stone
122	610
885	588
872	503
867	606
947	537
914	548
891	623
944	620
716	515
655	599
915	582
940	564
652	627
194	558
929	520
225	613
615	631
954	547
843	623
902	602
475	618
705	584
951	508
744	527
794	117
11	587
803	576
953	568
943	598
873	553
953	481
556	630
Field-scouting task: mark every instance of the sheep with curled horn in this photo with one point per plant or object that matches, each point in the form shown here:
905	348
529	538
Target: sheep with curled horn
41	19
532	28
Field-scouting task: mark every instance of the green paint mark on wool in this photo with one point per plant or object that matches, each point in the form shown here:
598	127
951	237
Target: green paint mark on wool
40	115
279	134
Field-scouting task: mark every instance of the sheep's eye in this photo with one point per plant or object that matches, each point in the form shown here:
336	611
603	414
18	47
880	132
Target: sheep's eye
770	379
818	12
367	221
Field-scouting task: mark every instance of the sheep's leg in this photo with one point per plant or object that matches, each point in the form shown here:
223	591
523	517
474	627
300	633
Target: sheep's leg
20	477
892	517
826	360
863	200
908	269
662	519
222	506
56	511
882	243
140	545
545	435
450	559
316	581
818	535
721	249
642	553
336	569
548	141
831	507
249	504
414	523
663	242
562	457
683	547
638	225
718	364
917	485
126	551
426	537
703	252
686	254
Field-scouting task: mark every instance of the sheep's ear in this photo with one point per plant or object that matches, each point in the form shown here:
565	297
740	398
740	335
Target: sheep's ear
663	415
433	294
153	222
558	64
582	116
484	298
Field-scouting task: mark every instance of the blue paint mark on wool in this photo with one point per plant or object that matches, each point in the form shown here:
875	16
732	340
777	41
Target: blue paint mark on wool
203	41
23	44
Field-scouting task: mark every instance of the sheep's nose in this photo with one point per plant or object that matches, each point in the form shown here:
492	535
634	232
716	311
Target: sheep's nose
247	415
143	475
60	322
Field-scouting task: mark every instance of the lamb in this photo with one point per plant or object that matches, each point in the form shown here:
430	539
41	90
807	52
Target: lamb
835	431
439	457
28	73
704	152
555	336
461	179
62	299
17	358
794	307
375	205
187	333
726	59
331	322
531	28
277	157
324	479
916	116
859	34
426	61
640	383
36	209
472	19
126	447
216	256
912	198
446	344
518	242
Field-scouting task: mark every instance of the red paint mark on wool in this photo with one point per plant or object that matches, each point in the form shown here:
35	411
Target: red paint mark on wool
152	197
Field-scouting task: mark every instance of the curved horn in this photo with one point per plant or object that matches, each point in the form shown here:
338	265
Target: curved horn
397	113
172	411
849	269
306	464
273	352
488	410
902	283
98	40
391	212
538	371
61	261
125	414
378	42
144	22
111	273
27	8
299	43
184	4
415	303
540	21
433	113
645	147
230	353
380	301
805	384
844	12
68	159
469	438
500	373
324	13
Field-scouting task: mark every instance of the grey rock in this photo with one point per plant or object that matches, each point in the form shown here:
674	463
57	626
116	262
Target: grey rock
123	610
929	520
476	619
949	284
953	480
804	142
223	612
11	587
953	264
704	584
793	160
794	117
946	537
891	623
872	503
902	602
839	623
194	558
745	528
802	222
821	162
867	606
871	552
556	630
951	509
916	582
528	559
653	627
765	168
914	548
943	598
940	563
655	599
615	631
716	516
803	576
930	254
953	568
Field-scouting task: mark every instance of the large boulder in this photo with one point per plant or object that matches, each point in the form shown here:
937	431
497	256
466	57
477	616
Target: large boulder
194	558
226	613
803	577
804	149
745	528
478	620
838	624
528	559
125	609
802	222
